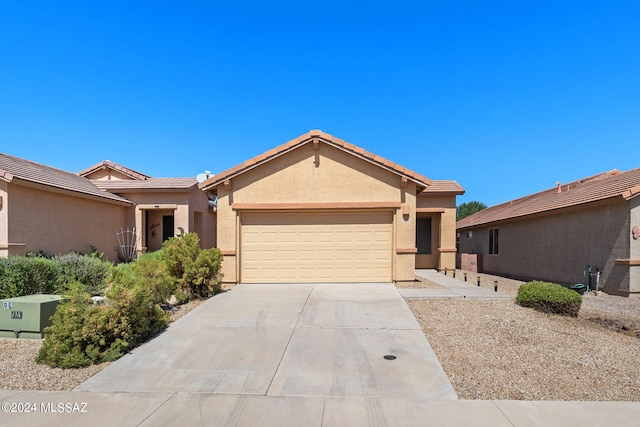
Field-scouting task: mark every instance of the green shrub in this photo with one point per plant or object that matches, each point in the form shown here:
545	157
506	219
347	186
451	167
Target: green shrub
83	333
196	271
28	275
549	298
180	252
133	299
155	274
89	270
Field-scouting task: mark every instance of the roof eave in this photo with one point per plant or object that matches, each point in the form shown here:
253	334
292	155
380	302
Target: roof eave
441	193
546	212
422	182
6	176
631	193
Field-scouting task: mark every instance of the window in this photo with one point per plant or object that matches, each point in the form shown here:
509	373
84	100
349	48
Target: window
493	241
469	234
423	235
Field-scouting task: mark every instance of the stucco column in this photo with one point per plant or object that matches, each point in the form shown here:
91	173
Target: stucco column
447	247
4	220
140	230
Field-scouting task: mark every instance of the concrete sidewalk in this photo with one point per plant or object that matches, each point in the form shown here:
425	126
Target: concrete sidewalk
281	355
209	409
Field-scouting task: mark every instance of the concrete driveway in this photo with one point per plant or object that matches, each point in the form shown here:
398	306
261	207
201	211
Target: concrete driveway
291	355
325	340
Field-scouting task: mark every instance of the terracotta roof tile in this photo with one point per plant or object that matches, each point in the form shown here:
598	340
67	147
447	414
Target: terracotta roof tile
148	184
349	146
389	163
439	187
596	188
5	175
37	173
115	166
341	142
329	139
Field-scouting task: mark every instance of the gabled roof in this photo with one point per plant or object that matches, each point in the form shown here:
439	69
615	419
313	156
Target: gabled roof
608	185
122	185
107	164
442	188
14	168
309	137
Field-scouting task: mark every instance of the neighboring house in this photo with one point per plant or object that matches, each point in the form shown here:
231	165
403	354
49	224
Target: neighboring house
319	209
555	234
164	207
55	211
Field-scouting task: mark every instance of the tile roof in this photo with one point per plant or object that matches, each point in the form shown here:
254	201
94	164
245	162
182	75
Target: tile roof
314	135
147	184
442	187
109	164
14	167
607	185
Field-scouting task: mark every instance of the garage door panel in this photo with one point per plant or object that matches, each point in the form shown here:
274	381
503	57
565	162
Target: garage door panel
316	246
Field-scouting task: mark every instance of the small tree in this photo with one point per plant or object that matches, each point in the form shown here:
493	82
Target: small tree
469	208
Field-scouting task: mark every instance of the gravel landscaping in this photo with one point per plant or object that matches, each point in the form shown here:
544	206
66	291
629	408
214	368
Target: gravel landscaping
19	371
490	349
495	349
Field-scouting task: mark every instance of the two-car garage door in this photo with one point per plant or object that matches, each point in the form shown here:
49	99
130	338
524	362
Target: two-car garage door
312	246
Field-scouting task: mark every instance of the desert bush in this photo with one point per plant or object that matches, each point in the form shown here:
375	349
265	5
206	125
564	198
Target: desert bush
151	269
196	272
203	277
83	333
28	275
549	298
89	270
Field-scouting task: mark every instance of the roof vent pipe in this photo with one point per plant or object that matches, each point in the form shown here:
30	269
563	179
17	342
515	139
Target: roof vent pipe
559	187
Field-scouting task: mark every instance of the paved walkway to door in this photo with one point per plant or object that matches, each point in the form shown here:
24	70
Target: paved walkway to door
451	288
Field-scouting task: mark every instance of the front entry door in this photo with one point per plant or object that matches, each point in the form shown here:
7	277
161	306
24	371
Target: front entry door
167	227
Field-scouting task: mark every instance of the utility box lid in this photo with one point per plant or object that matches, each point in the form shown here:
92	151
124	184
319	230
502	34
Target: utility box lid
27	316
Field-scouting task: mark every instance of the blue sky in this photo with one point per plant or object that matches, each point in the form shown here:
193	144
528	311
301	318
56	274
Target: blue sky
505	97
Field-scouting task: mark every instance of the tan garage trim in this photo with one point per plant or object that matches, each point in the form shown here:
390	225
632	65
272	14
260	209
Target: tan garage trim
315	206
316	246
430	210
407	250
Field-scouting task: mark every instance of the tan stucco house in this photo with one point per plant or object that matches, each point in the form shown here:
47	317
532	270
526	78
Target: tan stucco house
315	209
44	209
556	234
319	209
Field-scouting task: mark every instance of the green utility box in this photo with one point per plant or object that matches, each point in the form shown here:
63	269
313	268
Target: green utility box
26	317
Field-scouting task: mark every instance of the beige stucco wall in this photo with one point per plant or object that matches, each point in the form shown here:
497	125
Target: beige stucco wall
58	223
199	211
183	205
558	247
4	218
107	174
328	175
634	246
443	231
